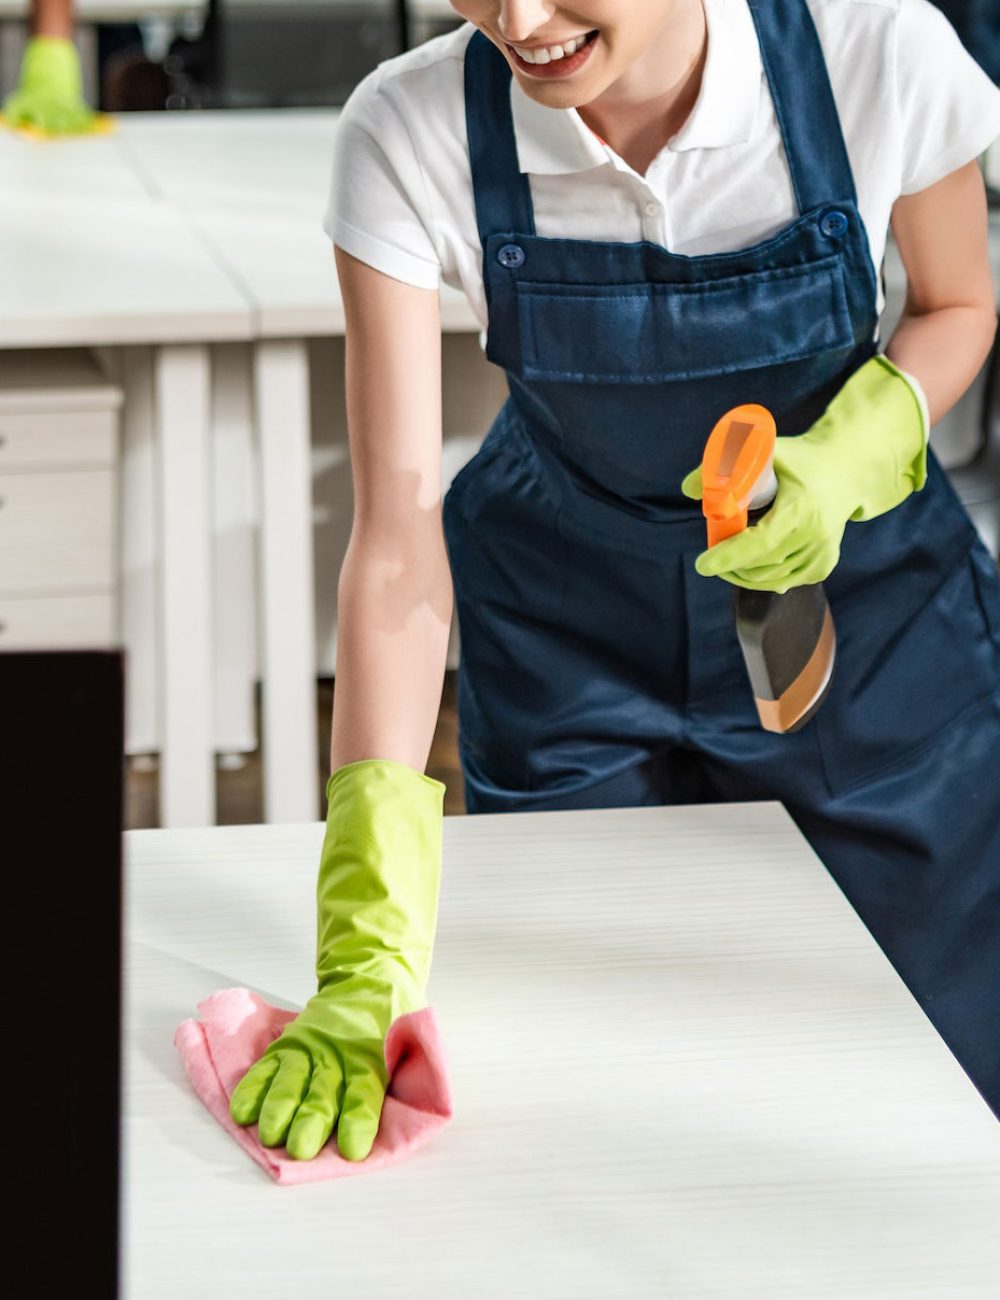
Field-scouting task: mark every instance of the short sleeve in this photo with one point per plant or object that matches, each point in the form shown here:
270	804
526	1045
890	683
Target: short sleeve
949	107
377	207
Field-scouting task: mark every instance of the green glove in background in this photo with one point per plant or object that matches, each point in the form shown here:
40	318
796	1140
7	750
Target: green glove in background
377	900
862	457
49	96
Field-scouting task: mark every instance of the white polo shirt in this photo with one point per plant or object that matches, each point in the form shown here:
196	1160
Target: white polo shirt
913	104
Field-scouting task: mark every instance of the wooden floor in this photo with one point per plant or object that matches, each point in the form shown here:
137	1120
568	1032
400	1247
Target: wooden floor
239	791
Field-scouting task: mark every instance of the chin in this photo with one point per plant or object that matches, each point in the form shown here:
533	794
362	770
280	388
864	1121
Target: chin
561	96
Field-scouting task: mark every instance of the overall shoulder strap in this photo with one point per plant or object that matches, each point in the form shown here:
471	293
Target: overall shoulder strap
502	193
803	100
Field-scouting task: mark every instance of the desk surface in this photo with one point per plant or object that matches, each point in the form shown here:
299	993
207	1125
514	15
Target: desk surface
88	255
730	1091
254	184
200	226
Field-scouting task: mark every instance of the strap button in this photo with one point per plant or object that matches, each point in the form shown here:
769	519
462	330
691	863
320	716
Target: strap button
511	255
833	223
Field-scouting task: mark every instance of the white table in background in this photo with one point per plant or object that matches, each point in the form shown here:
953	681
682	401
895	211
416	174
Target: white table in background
89	258
231	204
681	1068
254	184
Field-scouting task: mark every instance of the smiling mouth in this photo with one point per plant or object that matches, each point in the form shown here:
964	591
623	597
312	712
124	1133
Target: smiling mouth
566	62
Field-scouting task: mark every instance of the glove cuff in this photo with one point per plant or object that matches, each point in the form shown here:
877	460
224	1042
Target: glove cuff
917	389
51	63
919	469
372	772
380	870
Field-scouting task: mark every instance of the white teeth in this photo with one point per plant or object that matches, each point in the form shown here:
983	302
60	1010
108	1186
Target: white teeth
551	52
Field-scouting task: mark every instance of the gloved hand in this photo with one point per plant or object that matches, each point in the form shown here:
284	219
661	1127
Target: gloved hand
377	897
862	457
49	95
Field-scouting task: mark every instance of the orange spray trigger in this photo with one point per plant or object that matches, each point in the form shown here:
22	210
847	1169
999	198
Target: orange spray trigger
737	472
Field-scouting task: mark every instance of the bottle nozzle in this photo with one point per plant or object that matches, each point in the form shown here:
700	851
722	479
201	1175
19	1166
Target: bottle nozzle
737	472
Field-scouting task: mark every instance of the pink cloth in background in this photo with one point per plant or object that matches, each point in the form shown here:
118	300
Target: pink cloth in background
237	1025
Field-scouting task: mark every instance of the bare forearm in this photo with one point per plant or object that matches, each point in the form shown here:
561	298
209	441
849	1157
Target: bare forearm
949	320
944	349
52	18
393	618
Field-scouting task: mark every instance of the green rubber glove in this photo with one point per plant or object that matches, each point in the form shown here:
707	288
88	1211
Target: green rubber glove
377	899
49	95
862	457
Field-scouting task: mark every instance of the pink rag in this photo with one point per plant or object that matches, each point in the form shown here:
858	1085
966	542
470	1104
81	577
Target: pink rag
235	1028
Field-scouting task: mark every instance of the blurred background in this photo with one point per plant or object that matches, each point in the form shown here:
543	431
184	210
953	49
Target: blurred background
154	54
174	475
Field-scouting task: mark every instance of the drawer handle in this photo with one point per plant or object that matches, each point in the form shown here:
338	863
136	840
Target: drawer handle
3	627
3	440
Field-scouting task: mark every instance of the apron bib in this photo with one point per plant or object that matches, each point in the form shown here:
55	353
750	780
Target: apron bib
598	668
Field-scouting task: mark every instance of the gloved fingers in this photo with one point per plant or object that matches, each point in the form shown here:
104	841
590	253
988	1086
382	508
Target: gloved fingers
770	541
284	1096
778	586
814	561
691	484
245	1103
44	113
760	575
63	119
360	1115
810	564
59	118
317	1115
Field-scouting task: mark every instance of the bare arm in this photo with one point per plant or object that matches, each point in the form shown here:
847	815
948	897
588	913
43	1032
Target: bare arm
394	597
947	327
52	18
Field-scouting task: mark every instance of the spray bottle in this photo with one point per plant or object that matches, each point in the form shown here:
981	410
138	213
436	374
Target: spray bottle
788	639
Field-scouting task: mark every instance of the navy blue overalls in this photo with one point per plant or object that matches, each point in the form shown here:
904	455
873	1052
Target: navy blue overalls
599	669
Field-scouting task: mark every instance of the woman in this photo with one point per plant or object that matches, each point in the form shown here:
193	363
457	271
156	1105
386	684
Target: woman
712	181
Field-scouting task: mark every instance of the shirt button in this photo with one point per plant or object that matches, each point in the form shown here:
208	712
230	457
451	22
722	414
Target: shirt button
652	209
511	255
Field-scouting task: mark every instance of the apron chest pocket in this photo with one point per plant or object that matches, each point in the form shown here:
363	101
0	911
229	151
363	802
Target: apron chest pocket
650	332
890	700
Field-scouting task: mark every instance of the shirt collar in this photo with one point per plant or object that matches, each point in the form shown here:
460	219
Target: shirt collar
558	140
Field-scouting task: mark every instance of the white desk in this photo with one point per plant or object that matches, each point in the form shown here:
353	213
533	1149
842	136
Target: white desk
681	1069
253	185
189	229
88	258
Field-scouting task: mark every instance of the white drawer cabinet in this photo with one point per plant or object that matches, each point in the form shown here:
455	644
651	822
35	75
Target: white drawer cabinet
57	531
59	622
39	440
59	566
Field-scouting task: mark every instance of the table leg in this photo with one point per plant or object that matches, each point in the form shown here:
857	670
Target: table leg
139	550
234	537
187	767
288	637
